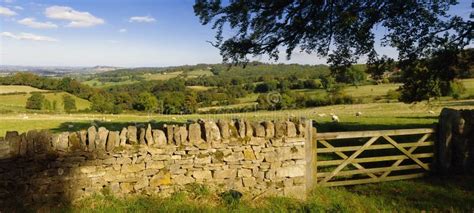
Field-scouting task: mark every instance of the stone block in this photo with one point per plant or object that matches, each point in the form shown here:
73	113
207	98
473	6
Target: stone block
101	139
195	133
280	129
291	171
129	168
91	135
226	173
182	179
249	181
200	175
244	173
224	128
290	129
160	179
149	136
74	142
249	154
269	129
123	136
112	141
132	135
159	138
141	136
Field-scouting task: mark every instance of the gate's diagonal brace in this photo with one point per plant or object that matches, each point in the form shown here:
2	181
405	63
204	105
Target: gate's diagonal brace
404	151
350	159
411	150
344	156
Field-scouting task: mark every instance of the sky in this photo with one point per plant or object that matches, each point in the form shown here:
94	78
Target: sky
124	33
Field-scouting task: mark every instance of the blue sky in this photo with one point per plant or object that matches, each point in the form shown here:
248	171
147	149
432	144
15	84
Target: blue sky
128	33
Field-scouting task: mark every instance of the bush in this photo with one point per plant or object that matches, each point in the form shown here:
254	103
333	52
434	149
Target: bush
393	94
35	101
456	89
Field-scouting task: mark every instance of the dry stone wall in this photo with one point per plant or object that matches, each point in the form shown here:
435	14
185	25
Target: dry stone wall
256	158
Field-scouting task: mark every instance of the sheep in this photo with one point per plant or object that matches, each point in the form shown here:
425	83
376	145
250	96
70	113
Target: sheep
335	118
358	114
431	112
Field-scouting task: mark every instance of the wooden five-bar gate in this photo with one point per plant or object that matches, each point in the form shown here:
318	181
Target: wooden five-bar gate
358	157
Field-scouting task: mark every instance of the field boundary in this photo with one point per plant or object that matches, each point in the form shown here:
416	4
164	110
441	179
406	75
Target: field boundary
359	157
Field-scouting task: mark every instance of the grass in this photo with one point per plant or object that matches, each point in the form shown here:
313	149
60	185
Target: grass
199	88
97	83
11	89
161	76
469	85
455	194
374	116
17	102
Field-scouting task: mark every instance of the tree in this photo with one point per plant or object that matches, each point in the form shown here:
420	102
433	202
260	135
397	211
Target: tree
69	103
35	101
46	104
99	103
54	105
342	31
147	102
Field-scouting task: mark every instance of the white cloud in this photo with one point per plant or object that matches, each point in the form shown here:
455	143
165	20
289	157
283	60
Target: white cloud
142	19
31	22
6	12
113	41
8	1
76	18
18	7
123	30
27	36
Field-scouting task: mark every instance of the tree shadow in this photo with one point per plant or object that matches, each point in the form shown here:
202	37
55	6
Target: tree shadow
36	182
459	103
430	117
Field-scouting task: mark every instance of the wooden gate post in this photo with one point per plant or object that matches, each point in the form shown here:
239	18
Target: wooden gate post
310	156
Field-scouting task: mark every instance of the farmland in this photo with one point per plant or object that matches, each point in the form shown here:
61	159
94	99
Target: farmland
375	116
13	98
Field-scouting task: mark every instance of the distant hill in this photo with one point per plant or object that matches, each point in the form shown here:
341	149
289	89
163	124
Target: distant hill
55	70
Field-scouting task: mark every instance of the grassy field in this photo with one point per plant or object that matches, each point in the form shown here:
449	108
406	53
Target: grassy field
161	76
199	88
374	116
17	102
455	194
430	194
96	83
11	89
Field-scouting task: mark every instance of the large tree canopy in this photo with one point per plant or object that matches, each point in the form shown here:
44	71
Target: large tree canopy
344	32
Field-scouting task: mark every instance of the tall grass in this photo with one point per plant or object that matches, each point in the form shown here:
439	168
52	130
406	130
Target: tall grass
430	195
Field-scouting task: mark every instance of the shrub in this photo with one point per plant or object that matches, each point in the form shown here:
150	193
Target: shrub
393	94
456	89
35	101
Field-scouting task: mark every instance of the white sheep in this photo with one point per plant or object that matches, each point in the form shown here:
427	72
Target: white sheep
335	118
431	112
358	114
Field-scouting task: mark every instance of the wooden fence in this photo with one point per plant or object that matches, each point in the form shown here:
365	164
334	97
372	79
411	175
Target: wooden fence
358	157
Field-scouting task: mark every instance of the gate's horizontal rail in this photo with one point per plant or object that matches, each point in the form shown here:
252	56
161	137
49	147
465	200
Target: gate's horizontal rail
373	170
372	159
372	180
372	147
373	133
